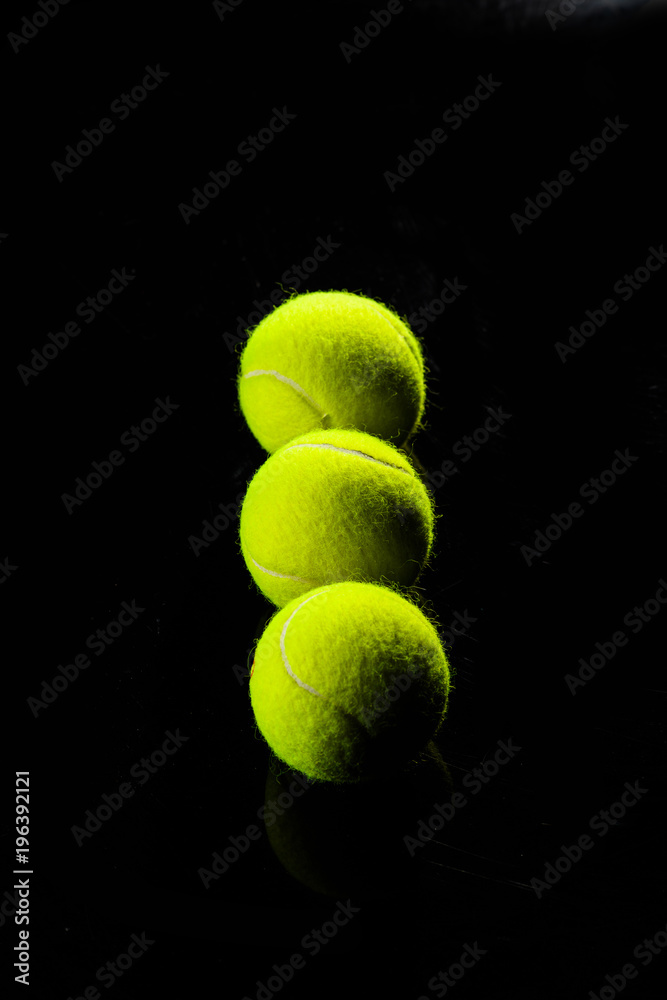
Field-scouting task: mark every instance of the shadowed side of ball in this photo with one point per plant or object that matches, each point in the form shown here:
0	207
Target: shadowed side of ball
332	506
331	359
348	682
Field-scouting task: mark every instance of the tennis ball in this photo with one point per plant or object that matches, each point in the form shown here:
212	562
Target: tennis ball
332	506
348	682
331	359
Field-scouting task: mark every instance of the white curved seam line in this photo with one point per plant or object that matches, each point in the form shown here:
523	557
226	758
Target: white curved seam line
286	662
404	340
394	330
287	381
282	576
350	451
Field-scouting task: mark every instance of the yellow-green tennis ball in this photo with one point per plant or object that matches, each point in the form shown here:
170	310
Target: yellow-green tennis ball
331	359
333	506
348	682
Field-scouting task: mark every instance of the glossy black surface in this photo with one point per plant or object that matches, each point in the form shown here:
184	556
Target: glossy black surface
518	623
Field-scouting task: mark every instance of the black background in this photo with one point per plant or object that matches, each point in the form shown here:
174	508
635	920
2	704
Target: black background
173	332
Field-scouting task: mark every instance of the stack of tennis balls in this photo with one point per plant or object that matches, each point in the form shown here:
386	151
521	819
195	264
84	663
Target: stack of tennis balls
349	677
